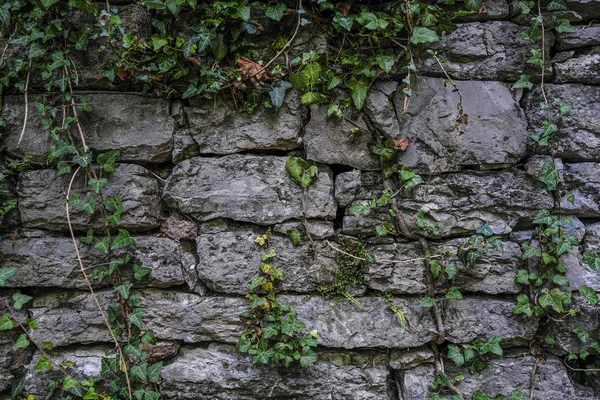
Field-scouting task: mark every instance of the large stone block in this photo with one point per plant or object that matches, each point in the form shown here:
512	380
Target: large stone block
42	199
584	35
578	136
461	202
333	141
495	135
481	318
247	188
483	51
219	372
141	128
218	130
582	69
584	180
229	260
50	261
587	9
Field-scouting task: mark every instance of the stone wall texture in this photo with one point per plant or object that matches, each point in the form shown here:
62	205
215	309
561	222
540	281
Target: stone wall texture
199	183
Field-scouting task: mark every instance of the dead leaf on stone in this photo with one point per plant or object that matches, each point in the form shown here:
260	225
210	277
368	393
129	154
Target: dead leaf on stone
343	8
121	73
194	60
482	9
252	71
401	144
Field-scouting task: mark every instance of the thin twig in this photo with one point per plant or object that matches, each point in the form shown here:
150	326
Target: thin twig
90	288
26	103
532	381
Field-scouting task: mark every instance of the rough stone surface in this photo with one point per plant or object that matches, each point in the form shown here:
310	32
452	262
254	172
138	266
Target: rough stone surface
218	372
483	51
587	9
415	382
139	127
42	199
481	318
410	358
496	132
584	35
584	69
218	130
246	188
578	136
329	140
584	181
178	228
462	202
229	260
50	261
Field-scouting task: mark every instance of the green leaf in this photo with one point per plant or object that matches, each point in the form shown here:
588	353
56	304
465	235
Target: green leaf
560	280
309	98
581	333
139	272
122	240
6	274
589	294
473	5
564	108
300	171
159	42
151	395
522	277
427	302
43	364
123	289
219	48
20	300
97	184
385	62
358	209
89	206
5	16
139	372
295	236
82	160
22	342
436	268
276	11
451	270
564	26
530	251
62	168
278	92
358	91
556	5
563	245
522	83
454	294
523	306
423	35
549	176
308	359
592	260
136	318
35	51
173	6
103	245
493	346
6	323
154	372
553	299
455	355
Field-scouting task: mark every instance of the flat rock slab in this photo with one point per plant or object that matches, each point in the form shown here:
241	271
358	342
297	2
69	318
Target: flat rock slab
481	318
495	134
483	51
582	69
578	136
141	128
584	180
219	372
246	188
229	260
218	130
461	202
584	35
68	318
50	261
332	141
42	199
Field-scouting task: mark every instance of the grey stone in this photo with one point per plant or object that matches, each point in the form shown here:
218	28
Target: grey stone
11	358
246	188
495	135
582	69
578	136
139	127
588	9
481	318
380	109
484	51
346	186
217	130
399	278
42	199
219	372
184	146
584	35
461	202
50	261
416	381
317	229
179	228
513	372
410	358
329	140
68	318
579	272
229	260
584	180
493	273
591	240
535	164
490	10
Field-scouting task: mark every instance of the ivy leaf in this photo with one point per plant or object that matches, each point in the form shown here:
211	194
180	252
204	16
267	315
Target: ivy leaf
358	209
5	16
564	108
423	35
300	171
43	364
6	323
309	98
581	333
385	62
589	294
427	302
139	272
20	300
89	206
560	280
455	355
123	289
493	346
522	277
451	270
549	176
107	160
523	306
436	268
295	236
158	42
97	184
103	245
553	299
358	91
154	372
6	274
35	51
473	5
122	240
563	245
22	342
62	168
139	372
522	83
591	259
278	92
454	294
308	359
136	318
276	12
556	5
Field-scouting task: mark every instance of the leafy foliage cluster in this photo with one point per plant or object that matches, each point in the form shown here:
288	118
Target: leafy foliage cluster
273	335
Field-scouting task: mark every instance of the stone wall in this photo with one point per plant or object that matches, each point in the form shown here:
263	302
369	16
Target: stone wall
198	183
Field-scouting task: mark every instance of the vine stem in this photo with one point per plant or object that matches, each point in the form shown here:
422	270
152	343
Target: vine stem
532	381
26	102
91	289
